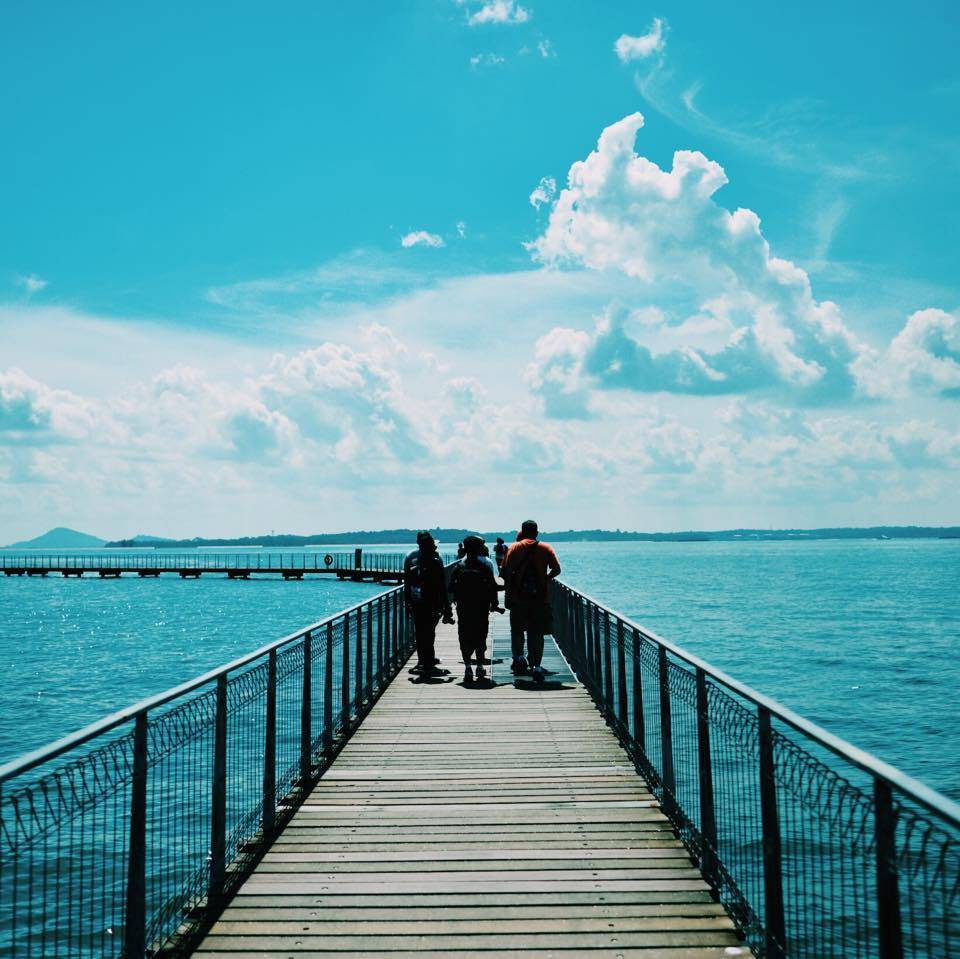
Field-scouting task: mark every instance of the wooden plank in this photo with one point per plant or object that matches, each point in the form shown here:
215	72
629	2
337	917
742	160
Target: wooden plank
465	822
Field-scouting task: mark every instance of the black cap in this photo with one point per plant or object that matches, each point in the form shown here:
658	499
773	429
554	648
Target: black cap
473	544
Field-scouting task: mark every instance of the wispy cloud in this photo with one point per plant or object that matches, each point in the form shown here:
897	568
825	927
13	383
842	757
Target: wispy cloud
507	12
421	238
485	60
629	49
546	49
32	283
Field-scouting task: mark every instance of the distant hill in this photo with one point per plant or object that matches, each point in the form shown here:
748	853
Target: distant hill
454	535
61	538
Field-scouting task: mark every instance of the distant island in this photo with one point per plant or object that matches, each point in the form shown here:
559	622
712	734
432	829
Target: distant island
455	535
60	537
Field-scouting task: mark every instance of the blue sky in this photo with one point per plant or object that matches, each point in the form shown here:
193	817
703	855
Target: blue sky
280	267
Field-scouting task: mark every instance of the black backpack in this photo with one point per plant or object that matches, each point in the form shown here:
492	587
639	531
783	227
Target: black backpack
528	586
471	585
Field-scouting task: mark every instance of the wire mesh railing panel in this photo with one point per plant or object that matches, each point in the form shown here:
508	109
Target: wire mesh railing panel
289	712
814	848
928	868
179	771
735	764
63	857
137	837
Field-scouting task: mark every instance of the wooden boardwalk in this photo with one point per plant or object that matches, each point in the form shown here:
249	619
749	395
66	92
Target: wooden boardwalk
491	822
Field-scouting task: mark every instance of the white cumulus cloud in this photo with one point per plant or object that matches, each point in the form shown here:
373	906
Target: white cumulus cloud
421	238
706	268
498	11
630	48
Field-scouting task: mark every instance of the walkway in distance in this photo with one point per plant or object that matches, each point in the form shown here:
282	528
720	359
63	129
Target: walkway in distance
357	565
500	820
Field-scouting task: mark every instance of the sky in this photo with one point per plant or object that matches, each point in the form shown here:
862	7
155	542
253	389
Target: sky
316	267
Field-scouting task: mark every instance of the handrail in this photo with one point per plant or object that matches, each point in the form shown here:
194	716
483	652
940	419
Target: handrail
920	792
813	846
132	832
44	754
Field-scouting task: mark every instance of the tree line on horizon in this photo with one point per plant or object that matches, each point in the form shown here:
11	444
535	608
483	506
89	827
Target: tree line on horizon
403	536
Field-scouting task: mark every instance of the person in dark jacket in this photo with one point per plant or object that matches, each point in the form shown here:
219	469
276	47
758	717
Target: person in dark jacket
425	593
527	571
473	586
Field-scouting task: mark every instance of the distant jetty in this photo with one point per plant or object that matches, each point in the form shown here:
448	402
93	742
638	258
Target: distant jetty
455	535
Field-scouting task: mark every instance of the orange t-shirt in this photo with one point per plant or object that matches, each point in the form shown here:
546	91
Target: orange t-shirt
543	561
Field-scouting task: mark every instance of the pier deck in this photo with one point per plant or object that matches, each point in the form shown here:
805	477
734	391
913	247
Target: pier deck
500	820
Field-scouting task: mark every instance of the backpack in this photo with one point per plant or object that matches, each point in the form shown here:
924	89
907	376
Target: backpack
471	585
529	586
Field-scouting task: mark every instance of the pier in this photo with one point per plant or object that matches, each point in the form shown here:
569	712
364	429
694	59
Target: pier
356	565
316	799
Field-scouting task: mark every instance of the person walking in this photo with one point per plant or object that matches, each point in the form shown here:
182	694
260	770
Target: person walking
473	586
500	553
527	570
425	594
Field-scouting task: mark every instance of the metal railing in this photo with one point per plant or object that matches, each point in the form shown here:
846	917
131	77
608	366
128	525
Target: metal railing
814	847
126	837
345	562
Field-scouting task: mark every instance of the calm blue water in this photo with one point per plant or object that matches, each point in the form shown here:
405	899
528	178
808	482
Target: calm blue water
861	637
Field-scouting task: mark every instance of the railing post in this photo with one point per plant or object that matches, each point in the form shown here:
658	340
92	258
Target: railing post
888	891
218	798
597	651
608	705
135	926
358	666
586	617
774	921
621	680
328	690
666	733
345	675
270	748
639	733
306	704
708	819
368	682
385	621
395	640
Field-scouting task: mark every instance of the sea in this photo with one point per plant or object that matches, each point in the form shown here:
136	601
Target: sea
861	637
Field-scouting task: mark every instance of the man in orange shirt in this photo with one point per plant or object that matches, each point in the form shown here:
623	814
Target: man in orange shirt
527	570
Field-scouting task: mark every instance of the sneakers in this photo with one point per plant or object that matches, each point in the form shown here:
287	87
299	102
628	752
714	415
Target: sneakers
519	666
481	674
538	674
468	675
